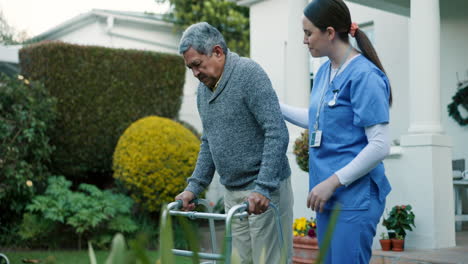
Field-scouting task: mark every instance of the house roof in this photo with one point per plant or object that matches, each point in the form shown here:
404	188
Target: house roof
91	16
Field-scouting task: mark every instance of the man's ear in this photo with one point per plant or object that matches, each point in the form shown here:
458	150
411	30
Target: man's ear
331	33
218	51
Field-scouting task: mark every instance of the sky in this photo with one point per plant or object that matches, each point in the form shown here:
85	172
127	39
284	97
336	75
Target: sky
37	16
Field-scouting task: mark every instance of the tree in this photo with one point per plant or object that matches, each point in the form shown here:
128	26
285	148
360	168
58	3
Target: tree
229	18
8	35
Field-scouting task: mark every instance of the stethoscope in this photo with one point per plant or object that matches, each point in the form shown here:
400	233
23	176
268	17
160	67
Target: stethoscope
332	102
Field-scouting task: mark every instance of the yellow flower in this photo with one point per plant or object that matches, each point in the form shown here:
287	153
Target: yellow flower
20	77
302	226
26	81
29	183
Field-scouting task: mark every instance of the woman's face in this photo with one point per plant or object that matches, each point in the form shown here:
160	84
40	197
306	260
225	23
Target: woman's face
316	40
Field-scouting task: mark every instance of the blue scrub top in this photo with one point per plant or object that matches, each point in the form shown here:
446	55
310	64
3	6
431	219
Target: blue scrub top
362	101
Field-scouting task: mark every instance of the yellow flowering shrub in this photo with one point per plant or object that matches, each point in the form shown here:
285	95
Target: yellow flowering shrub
303	226
153	159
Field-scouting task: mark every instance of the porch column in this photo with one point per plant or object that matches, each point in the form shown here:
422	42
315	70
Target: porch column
296	68
426	180
424	36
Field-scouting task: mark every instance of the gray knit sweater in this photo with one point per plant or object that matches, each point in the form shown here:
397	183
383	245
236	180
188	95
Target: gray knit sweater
244	135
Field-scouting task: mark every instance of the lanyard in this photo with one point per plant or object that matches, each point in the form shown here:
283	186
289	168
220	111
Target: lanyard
326	85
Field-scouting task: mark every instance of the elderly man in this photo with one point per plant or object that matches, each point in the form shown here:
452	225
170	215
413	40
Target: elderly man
244	138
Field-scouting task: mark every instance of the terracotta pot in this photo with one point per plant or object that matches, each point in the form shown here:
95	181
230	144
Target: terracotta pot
398	244
386	244
305	249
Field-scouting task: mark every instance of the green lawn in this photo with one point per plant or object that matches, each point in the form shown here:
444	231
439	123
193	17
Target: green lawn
72	257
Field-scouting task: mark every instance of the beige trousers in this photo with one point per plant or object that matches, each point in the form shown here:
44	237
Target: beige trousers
258	234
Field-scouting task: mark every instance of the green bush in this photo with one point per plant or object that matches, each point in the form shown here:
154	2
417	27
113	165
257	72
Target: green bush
301	150
153	159
101	91
27	111
89	212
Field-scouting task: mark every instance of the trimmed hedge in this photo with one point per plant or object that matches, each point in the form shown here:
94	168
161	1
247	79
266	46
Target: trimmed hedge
101	91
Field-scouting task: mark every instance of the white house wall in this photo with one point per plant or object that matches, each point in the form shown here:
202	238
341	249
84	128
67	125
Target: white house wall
406	170
123	35
90	34
454	59
391	44
269	27
270	37
276	44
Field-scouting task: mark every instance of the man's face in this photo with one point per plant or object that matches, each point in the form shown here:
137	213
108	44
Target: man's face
207	69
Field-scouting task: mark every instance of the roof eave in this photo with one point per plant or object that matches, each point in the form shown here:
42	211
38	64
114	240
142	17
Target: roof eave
89	17
399	7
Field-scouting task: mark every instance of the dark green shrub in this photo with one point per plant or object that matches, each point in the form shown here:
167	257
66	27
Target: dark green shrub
101	91
26	113
89	212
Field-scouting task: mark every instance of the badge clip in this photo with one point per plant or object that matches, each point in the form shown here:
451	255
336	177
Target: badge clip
332	102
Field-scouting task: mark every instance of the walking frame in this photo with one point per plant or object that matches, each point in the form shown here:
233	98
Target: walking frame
239	211
4	259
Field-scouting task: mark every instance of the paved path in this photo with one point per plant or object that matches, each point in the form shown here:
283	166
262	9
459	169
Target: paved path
455	255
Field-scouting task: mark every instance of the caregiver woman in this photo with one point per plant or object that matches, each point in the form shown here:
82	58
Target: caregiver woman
349	135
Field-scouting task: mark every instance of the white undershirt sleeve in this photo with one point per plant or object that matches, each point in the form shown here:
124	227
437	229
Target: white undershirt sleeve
295	115
369	157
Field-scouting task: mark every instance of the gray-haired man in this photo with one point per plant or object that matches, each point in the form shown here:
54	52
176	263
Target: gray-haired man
244	139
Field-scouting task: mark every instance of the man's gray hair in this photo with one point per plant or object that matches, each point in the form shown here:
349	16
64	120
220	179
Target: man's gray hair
202	37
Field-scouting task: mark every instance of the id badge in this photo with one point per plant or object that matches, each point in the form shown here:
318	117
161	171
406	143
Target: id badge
315	139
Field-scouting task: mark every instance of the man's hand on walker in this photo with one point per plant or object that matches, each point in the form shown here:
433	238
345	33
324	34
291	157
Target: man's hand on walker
258	204
320	194
186	197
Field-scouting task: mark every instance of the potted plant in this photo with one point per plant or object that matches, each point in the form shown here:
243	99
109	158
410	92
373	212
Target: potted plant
305	243
385	242
400	218
398	243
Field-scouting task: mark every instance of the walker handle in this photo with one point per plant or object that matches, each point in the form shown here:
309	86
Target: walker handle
277	218
180	203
